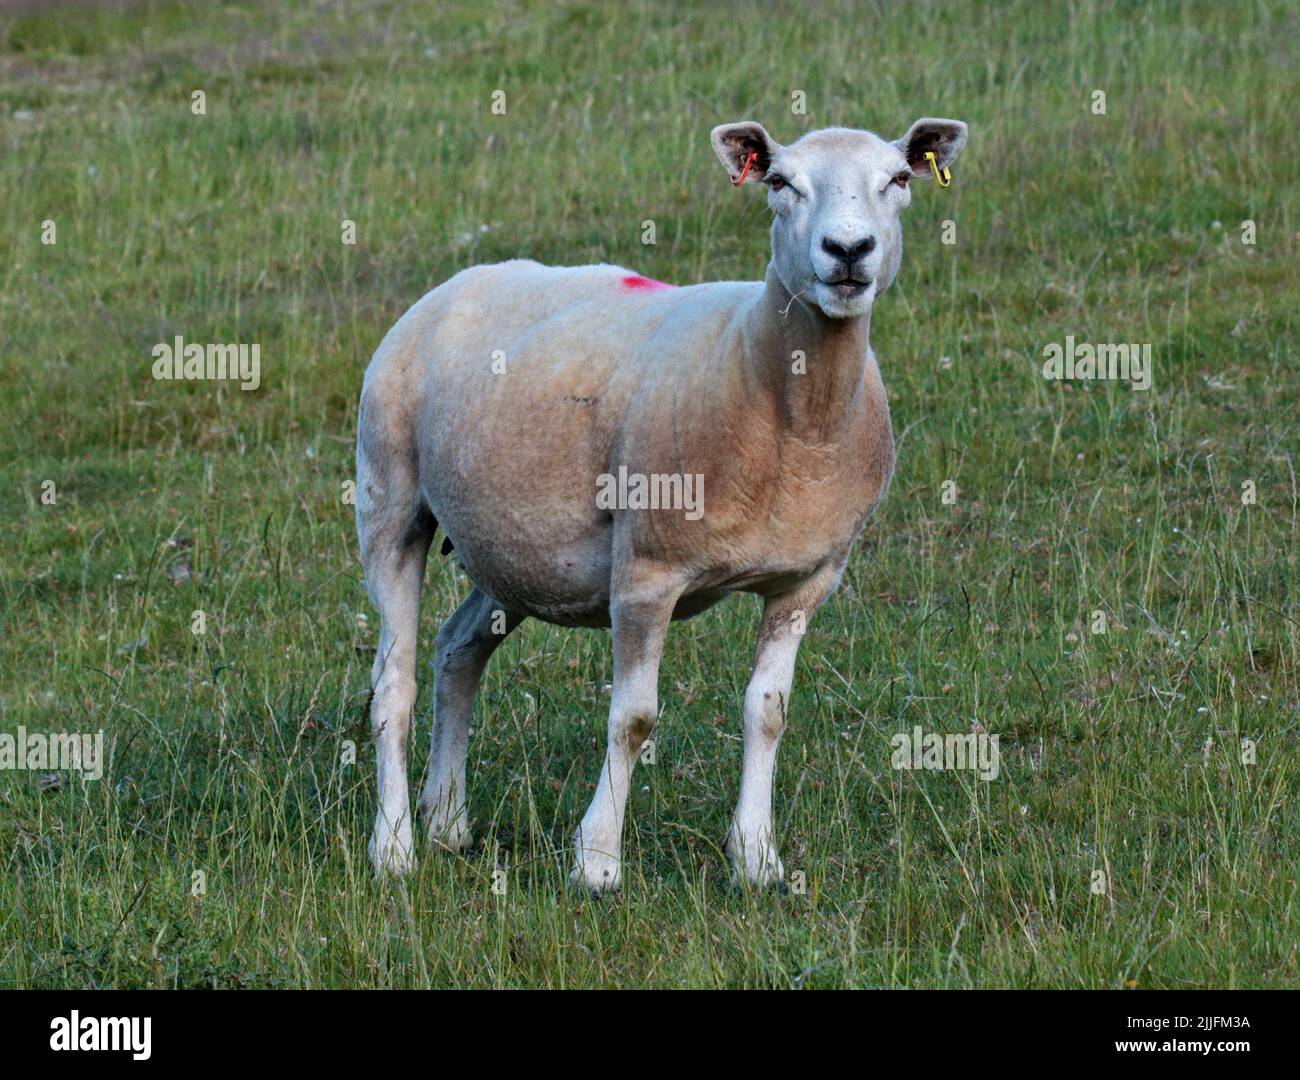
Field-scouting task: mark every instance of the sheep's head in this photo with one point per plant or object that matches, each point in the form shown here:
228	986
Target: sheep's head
837	197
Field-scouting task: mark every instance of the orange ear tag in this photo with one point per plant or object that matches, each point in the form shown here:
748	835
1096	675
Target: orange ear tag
749	162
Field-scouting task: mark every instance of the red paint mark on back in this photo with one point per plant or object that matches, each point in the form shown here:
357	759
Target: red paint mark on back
636	281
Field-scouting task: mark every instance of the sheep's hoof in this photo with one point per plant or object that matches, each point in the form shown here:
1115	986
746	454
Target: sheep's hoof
763	871
742	886
451	836
598	875
390	855
455	843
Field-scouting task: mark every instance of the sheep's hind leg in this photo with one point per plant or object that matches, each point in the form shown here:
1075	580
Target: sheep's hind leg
394	559
464	644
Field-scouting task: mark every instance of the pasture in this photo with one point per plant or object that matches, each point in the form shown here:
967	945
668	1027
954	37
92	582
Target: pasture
1130	838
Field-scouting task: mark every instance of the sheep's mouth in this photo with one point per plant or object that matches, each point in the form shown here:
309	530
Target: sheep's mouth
847	288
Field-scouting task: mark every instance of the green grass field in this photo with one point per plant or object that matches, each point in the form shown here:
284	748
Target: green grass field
1121	752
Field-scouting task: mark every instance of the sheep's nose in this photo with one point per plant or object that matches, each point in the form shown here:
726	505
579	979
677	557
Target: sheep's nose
849	252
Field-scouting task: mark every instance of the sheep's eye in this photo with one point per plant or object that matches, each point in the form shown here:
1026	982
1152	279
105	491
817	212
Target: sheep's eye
901	179
776	183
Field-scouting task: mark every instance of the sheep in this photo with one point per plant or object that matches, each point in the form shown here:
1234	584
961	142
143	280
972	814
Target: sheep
501	404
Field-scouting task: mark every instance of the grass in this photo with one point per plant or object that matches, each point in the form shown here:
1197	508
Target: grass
231	750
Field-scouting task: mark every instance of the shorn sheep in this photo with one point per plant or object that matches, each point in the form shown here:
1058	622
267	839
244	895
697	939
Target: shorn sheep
503	404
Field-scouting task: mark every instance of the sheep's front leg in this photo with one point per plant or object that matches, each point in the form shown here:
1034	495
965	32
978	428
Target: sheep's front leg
750	843
639	623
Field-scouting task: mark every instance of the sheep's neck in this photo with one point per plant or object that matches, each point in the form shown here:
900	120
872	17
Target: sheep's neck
818	372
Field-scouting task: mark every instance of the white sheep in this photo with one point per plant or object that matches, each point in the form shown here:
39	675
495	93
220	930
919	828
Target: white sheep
503	403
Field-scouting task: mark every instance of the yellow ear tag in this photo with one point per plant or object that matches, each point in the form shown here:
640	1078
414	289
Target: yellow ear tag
942	177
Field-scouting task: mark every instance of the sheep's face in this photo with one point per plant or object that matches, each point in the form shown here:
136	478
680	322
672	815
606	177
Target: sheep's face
837	198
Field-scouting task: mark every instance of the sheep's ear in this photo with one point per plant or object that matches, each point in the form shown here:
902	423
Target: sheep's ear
733	143
943	138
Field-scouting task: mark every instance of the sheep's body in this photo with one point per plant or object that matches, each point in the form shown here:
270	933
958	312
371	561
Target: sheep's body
503	402
522	405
